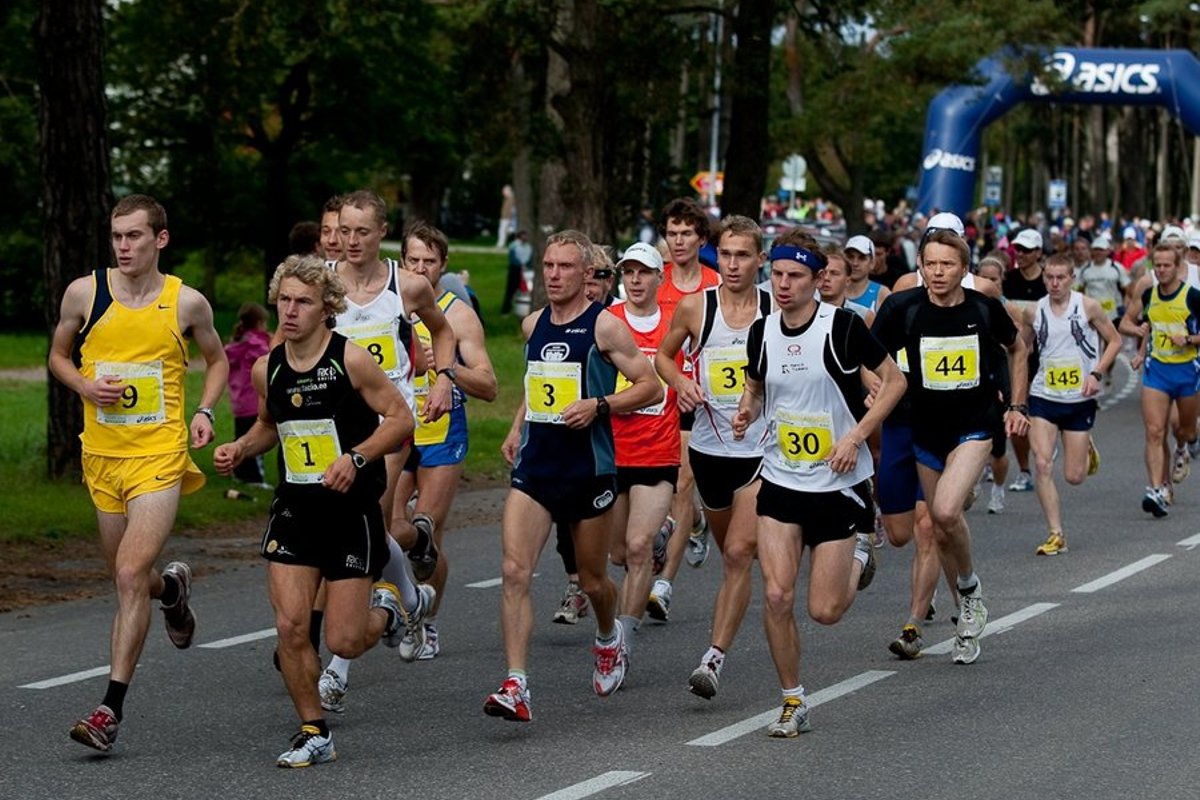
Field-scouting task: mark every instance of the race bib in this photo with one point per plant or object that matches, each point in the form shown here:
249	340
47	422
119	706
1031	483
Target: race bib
1162	333
902	359
428	433
805	439
549	388
725	374
141	400
1063	376
655	410
309	447
1109	305
378	339
949	362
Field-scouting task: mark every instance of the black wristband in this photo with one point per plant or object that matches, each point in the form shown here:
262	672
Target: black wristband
1020	408
1097	374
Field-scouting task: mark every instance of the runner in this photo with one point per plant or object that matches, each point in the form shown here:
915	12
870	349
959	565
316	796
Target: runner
1168	313
954	340
860	257
716	323
561	449
435	465
1067	329
803	377
685	233
832	282
1106	283
381	299
335	415
647	444
130	324
1024	287
331	237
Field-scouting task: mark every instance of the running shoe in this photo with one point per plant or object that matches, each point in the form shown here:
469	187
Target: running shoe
972	615
908	644
1094	457
412	650
704	681
1167	490
98	729
665	532
965	650
879	537
996	503
308	747
698	543
574	605
931	612
1193	448
862	544
387	596
1154	502
332	690
1055	543
793	720
510	701
612	662
1022	483
1181	465
659	604
180	619
987	476
424	553
413	627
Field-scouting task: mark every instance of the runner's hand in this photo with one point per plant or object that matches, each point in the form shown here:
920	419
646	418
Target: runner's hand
690	395
844	456
226	457
104	391
340	475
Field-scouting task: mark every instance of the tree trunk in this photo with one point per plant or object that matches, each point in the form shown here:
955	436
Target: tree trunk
747	157
76	196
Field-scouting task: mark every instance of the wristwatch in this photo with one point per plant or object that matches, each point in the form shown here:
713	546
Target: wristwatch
357	459
601	407
208	412
1097	374
449	372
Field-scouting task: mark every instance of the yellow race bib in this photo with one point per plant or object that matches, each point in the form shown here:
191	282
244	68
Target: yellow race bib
309	447
428	433
655	410
378	339
549	388
725	374
1063	376
949	362
141	401
805	439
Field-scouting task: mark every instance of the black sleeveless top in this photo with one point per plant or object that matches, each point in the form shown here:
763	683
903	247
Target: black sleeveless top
312	409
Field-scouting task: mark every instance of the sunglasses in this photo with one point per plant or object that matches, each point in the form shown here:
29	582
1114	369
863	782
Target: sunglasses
602	274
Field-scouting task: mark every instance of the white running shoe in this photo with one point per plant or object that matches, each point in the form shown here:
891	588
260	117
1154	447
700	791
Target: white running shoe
308	747
612	662
965	650
332	689
659	604
574	605
972	615
698	544
996	503
793	720
1022	483
704	681
411	650
1181	467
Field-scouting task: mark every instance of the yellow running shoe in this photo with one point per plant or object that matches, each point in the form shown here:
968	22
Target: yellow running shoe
1055	543
1093	457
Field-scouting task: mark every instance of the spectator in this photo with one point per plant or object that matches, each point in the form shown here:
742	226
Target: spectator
520	253
251	341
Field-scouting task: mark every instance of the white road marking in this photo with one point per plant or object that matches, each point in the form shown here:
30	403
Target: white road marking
1131	383
1121	574
490	582
1190	542
998	625
760	721
595	785
233	641
74	677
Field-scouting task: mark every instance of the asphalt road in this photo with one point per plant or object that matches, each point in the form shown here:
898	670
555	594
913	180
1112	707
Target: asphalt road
1086	686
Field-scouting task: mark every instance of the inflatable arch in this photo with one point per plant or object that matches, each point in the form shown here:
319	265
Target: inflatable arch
958	114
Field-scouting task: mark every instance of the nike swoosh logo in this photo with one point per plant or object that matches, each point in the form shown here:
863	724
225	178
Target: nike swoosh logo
971	327
160	305
159	478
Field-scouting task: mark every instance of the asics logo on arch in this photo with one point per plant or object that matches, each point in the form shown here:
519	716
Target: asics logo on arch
1104	77
938	157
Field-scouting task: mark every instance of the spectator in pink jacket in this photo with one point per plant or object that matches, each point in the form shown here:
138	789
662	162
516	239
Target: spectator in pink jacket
251	341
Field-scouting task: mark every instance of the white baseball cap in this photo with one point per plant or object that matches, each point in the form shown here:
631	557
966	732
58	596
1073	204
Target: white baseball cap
1194	242
1029	238
1173	232
861	244
1102	242
1130	232
643	254
945	221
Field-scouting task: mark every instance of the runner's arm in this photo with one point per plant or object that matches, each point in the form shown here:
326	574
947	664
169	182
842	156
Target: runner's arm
683	326
419	299
196	320
476	376
103	390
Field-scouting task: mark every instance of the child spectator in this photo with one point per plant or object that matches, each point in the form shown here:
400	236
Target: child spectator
251	340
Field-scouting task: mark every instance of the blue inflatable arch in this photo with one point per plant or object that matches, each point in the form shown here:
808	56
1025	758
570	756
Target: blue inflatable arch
958	114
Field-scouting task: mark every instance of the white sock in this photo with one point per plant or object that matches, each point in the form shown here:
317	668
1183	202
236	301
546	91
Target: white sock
715	656
797	692
399	572
340	666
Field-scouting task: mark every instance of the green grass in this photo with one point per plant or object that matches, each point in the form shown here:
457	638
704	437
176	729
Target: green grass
35	508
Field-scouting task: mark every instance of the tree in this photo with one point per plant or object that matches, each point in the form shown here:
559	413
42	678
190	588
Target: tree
75	189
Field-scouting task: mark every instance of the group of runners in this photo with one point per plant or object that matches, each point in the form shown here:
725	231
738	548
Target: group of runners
791	410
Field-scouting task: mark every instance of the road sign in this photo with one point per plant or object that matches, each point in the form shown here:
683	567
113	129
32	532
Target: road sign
701	181
793	184
795	167
1056	194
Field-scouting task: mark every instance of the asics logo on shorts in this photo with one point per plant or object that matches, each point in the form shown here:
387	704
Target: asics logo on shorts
603	501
